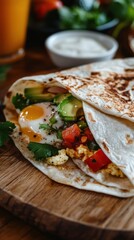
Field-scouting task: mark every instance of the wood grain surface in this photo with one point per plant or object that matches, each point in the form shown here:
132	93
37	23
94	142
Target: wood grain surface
12	228
59	209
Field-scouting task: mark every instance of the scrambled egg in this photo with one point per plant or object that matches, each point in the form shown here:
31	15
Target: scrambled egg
59	159
113	170
82	152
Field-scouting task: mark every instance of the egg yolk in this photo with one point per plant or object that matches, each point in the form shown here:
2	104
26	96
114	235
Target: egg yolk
34	137
32	112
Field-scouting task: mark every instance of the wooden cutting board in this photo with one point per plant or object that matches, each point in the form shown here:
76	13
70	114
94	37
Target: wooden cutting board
65	211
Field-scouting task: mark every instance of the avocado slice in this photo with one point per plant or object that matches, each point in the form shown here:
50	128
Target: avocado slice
70	108
60	97
37	94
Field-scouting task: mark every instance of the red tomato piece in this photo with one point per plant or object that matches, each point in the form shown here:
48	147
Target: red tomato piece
97	161
88	133
42	7
71	133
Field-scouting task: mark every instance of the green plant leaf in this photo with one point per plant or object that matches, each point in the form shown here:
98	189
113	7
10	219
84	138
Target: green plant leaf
42	151
6	128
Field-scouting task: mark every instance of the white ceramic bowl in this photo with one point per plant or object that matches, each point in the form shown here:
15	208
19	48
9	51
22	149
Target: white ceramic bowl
64	59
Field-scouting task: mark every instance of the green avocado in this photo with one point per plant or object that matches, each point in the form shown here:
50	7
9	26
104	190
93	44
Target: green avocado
37	94
60	97
70	108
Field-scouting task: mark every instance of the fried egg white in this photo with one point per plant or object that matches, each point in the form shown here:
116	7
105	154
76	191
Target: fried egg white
32	116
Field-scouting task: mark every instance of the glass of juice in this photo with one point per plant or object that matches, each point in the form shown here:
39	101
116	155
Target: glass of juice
13	27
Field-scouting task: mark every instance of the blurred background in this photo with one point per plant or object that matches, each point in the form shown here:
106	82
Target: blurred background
115	17
25	24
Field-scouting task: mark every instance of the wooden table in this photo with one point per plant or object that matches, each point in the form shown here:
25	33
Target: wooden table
12	228
35	61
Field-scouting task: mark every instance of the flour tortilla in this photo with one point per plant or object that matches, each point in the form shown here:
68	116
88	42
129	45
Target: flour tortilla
108	86
68	173
116	138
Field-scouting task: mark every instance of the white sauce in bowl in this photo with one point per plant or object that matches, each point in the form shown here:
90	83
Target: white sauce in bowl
79	47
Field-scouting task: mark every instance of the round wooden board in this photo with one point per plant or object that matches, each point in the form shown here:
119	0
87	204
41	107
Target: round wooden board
65	211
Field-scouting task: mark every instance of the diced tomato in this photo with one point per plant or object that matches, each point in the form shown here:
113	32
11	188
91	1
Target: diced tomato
97	161
88	133
71	133
42	7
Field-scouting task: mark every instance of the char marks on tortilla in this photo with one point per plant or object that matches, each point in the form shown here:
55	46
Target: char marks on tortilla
90	88
111	91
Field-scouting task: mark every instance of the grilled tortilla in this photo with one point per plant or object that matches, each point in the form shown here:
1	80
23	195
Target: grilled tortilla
68	173
115	136
108	86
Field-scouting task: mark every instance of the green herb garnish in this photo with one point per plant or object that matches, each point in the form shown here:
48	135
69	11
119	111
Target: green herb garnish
42	151
20	101
45	126
49	127
59	134
53	120
6	128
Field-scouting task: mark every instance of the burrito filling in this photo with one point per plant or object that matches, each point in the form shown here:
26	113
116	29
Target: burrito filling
52	123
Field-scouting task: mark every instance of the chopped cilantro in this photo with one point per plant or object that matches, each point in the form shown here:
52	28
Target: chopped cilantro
42	151
53	120
59	134
45	126
20	101
6	128
50	129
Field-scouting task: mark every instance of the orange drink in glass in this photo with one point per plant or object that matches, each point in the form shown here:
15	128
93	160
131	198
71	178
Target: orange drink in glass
13	25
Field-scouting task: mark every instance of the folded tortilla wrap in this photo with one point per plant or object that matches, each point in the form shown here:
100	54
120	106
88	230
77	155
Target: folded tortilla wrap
109	86
116	138
67	173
